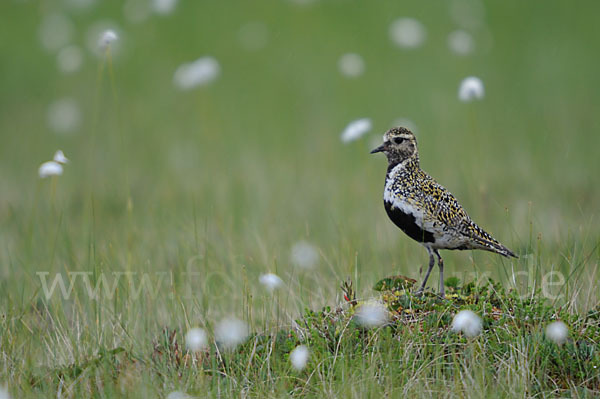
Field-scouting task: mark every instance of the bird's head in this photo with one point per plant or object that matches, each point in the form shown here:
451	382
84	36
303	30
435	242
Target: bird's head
399	144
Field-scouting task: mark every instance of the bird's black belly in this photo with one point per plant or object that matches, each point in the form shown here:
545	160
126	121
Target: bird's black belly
407	223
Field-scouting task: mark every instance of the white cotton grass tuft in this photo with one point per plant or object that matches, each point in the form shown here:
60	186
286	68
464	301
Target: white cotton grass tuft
371	314
230	332
304	255
196	339
107	38
103	36
356	129
270	281
299	357
351	65
557	332
64	116
468	323
196	73
50	168
407	33
69	59
59	157
164	7
471	88
461	42
56	31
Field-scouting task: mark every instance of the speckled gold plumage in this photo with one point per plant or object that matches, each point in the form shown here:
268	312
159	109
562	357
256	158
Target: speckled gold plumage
424	209
417	189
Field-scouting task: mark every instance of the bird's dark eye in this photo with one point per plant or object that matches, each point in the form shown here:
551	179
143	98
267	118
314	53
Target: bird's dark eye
398	140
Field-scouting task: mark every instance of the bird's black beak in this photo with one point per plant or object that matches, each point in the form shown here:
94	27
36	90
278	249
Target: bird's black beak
381	148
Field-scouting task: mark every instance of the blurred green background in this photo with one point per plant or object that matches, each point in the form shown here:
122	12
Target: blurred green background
231	174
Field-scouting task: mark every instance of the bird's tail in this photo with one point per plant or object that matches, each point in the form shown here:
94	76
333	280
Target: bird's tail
485	241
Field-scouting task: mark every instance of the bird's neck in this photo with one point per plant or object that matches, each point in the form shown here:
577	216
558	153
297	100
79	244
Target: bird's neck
410	163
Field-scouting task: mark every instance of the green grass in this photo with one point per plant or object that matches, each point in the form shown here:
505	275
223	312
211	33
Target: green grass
197	193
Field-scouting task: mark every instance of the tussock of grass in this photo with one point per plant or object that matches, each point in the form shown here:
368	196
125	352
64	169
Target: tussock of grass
414	354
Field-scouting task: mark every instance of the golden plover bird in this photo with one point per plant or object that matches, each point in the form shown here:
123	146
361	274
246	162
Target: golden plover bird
423	209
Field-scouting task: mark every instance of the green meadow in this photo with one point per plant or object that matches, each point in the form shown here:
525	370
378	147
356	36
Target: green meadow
175	201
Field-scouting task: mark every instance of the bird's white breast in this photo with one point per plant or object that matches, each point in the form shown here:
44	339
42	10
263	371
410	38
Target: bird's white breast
392	195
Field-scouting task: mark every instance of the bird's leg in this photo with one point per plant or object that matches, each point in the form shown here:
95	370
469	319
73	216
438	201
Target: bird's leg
441	266
431	263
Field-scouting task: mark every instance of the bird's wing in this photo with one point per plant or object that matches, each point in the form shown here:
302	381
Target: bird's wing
442	206
445	208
